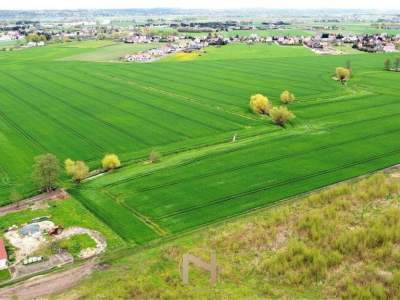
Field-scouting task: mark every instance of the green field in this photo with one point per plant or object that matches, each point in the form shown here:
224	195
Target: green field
189	112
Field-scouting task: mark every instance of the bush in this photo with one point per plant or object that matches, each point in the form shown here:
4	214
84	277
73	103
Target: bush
154	156
297	264
281	115
287	97
259	104
342	74
110	162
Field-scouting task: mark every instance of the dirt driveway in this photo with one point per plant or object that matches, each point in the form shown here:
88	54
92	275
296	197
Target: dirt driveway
42	286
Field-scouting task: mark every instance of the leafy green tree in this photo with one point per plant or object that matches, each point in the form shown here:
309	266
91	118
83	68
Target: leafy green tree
46	171
281	115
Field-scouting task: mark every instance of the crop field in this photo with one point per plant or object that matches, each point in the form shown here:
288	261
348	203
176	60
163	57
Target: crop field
189	111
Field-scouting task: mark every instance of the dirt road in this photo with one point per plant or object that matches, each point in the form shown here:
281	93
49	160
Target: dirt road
24	204
42	286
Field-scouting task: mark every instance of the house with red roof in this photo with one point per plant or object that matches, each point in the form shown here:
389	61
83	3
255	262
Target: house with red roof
3	255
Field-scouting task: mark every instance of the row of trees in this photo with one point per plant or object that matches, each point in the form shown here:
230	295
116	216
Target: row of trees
395	67
280	115
47	171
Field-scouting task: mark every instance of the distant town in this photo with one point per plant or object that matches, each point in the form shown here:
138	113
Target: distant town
323	36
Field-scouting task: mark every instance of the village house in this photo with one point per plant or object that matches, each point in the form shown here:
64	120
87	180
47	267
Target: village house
3	255
390	47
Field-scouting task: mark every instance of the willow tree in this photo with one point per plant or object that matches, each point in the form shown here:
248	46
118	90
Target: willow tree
110	162
260	104
81	171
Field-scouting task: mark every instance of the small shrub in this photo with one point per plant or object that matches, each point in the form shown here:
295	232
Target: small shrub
154	156
281	115
287	97
342	74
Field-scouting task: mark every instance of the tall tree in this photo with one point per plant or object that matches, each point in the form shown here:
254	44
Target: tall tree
46	171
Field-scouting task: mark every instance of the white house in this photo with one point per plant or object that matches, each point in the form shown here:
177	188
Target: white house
389	48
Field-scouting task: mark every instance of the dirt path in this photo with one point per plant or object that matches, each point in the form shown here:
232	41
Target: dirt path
23	204
46	285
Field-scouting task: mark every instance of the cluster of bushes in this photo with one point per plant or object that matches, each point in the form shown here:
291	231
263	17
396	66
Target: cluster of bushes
280	115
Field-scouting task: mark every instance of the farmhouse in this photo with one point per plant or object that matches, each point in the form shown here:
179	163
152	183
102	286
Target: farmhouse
389	48
3	256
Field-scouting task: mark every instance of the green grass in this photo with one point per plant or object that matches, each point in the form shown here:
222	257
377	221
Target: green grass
189	111
4	275
76	243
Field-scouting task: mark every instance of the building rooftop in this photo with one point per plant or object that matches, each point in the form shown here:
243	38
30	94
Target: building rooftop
3	252
29	229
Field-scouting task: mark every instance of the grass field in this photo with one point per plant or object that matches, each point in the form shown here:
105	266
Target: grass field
189	111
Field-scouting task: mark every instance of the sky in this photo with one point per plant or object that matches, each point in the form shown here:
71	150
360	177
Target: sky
208	4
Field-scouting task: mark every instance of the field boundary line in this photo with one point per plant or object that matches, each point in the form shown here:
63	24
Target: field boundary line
262	162
145	220
282	183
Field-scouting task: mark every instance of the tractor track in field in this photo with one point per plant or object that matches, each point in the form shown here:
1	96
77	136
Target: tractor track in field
145	220
22	131
253	76
203	157
272	186
118	108
153	107
260	163
146	86
82	112
52	118
177	92
323	116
